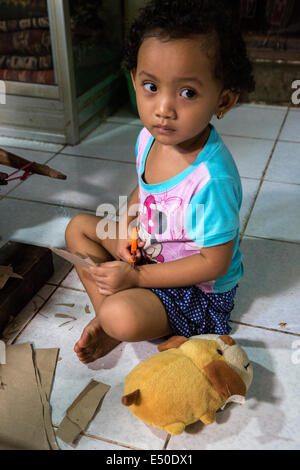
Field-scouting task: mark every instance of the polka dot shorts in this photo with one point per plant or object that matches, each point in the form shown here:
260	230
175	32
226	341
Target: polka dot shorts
192	312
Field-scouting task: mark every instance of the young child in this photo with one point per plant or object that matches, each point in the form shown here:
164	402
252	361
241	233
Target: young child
188	63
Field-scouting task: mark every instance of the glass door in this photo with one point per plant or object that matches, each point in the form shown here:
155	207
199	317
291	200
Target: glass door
97	34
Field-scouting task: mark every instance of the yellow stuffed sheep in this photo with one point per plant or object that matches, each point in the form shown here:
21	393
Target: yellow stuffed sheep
189	380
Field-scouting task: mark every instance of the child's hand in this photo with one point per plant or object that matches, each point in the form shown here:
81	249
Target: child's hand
114	276
123	250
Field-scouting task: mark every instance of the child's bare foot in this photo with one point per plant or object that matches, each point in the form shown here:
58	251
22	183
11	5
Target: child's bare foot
94	343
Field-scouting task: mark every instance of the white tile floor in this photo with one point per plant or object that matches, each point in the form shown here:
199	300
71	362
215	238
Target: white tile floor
266	145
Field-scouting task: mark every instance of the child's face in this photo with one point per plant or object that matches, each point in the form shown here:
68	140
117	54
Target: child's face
177	93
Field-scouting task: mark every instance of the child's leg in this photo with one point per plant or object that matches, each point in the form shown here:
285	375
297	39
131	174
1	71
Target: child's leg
131	315
81	238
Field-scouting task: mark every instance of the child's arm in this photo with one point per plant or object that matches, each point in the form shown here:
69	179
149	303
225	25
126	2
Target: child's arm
212	263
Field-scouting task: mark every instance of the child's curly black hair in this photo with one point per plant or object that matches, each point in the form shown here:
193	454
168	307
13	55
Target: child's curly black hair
174	19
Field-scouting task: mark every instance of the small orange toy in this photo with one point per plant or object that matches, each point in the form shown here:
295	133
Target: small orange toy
133	249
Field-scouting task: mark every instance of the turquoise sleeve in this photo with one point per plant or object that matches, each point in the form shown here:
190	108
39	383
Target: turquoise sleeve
137	151
212	217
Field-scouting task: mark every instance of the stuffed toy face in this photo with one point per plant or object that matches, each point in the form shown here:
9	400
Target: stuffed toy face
187	381
234	356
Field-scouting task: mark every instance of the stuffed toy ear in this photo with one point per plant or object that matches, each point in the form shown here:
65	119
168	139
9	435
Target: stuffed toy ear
131	398
224	379
227	340
173	342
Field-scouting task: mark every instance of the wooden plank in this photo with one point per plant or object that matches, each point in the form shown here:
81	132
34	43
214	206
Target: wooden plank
33	90
32	262
279	56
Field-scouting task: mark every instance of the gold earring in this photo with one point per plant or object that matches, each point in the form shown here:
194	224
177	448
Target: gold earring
220	115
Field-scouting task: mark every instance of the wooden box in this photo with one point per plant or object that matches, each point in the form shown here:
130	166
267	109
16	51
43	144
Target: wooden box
32	262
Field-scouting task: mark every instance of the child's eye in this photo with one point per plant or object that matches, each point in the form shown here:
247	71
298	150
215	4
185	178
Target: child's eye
150	87
188	93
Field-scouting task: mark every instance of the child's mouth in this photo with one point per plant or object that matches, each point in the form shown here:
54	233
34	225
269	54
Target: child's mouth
164	130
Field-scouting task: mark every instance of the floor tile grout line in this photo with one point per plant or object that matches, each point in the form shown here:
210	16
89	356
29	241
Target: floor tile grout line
51	294
70	268
168	438
253	178
264	328
286	141
57	286
260	104
267	139
62	206
91	157
281	182
33	149
35	314
284	121
272	239
50	204
55	154
264	173
66	287
103	439
11	190
250	177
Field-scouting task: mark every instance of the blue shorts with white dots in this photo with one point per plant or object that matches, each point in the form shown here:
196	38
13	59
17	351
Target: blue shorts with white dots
192	311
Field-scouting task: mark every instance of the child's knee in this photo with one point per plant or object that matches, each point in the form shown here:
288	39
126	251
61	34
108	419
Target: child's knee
118	319
75	227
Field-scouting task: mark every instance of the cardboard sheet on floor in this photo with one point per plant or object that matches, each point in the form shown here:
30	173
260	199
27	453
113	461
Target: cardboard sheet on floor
45	360
5	273
82	410
25	415
74	258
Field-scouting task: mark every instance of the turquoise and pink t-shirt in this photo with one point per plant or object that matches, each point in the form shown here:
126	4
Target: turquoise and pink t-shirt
197	208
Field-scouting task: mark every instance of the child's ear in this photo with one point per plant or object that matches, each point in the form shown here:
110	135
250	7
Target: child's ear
133	75
228	100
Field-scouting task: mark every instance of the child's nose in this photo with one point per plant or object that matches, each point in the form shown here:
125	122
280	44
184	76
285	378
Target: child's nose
165	109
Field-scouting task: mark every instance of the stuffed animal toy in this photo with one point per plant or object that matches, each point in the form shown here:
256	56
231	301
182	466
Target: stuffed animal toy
187	381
